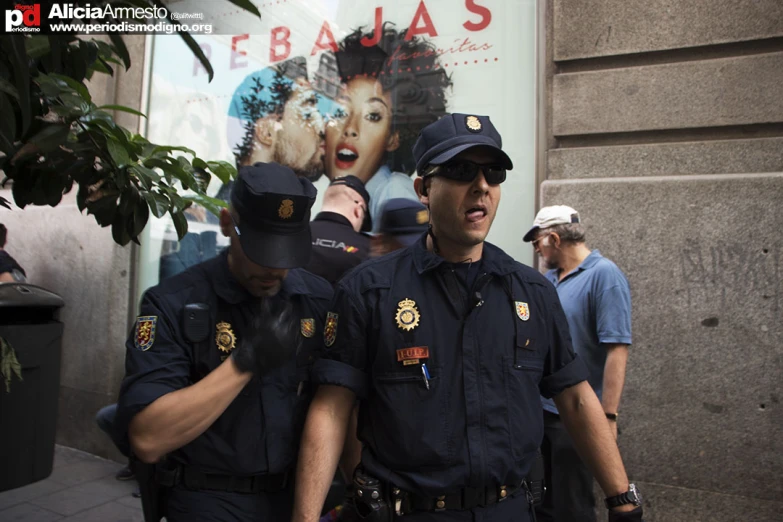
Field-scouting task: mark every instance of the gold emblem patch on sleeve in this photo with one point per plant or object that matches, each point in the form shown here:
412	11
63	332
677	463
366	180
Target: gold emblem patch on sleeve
225	338
407	315
523	310
145	331
330	329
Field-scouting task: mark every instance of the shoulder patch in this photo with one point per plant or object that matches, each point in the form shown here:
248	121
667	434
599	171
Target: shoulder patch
330	329
145	331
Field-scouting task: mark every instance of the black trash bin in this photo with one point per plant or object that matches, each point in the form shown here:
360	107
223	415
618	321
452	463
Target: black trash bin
28	414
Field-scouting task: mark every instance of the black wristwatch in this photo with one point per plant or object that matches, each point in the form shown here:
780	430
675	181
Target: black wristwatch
631	496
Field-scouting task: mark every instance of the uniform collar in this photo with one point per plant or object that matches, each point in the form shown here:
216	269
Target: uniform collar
493	259
334	217
229	290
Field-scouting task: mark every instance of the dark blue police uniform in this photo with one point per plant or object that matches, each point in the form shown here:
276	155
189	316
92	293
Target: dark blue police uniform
239	468
449	361
337	247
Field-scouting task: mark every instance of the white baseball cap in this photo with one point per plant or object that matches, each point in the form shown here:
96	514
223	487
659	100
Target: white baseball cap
551	216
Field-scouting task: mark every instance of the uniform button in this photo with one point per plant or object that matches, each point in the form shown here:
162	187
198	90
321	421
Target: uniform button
441	504
503	492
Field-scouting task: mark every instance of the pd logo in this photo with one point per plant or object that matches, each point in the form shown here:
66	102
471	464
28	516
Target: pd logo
23	18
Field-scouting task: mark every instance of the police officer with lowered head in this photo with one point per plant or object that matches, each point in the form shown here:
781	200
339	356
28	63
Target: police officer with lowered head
448	344
403	221
217	366
339	243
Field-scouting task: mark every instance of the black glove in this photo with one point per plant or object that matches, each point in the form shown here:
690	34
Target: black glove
272	339
626	516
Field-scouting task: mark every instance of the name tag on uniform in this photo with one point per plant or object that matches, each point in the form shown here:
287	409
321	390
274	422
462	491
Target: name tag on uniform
411	355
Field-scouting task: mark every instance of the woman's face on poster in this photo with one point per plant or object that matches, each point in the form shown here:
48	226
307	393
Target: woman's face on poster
360	130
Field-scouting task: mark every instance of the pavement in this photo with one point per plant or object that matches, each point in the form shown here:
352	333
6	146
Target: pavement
81	488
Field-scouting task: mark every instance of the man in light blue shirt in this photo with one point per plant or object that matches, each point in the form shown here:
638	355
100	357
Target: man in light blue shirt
596	299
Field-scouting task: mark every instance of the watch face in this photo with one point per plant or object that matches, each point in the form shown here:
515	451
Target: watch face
634	496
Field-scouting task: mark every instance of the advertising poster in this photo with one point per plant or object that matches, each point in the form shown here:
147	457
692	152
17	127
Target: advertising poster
335	87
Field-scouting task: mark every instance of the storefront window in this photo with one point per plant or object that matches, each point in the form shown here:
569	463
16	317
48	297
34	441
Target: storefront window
341	87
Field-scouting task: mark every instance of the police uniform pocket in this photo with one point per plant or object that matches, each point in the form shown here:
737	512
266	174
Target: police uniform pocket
410	421
526	351
523	405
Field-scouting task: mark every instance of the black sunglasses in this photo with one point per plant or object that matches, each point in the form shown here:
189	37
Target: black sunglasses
466	171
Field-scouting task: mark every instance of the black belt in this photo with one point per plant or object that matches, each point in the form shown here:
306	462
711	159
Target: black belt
466	498
194	479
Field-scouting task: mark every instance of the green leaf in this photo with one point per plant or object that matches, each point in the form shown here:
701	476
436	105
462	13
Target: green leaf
159	204
119	229
214	205
147	177
118	153
66	111
8	87
103	66
37	46
247	5
180	224
176	200
161	149
50	137
18	57
196	50
123	109
200	164
141	215
128	200
79	87
122	51
223	170
7	126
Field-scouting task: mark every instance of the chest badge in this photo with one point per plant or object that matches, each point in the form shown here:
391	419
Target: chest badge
225	338
145	331
330	329
523	310
407	315
308	327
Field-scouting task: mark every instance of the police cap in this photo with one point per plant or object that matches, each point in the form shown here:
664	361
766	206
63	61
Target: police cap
405	219
440	141
273	204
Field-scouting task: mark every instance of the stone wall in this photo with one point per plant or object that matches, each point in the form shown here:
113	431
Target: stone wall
68	253
662	123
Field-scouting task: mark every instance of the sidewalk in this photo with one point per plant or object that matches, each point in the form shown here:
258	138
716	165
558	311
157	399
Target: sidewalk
81	488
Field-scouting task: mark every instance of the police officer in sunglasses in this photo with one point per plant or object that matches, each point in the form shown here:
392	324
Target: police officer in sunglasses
447	344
